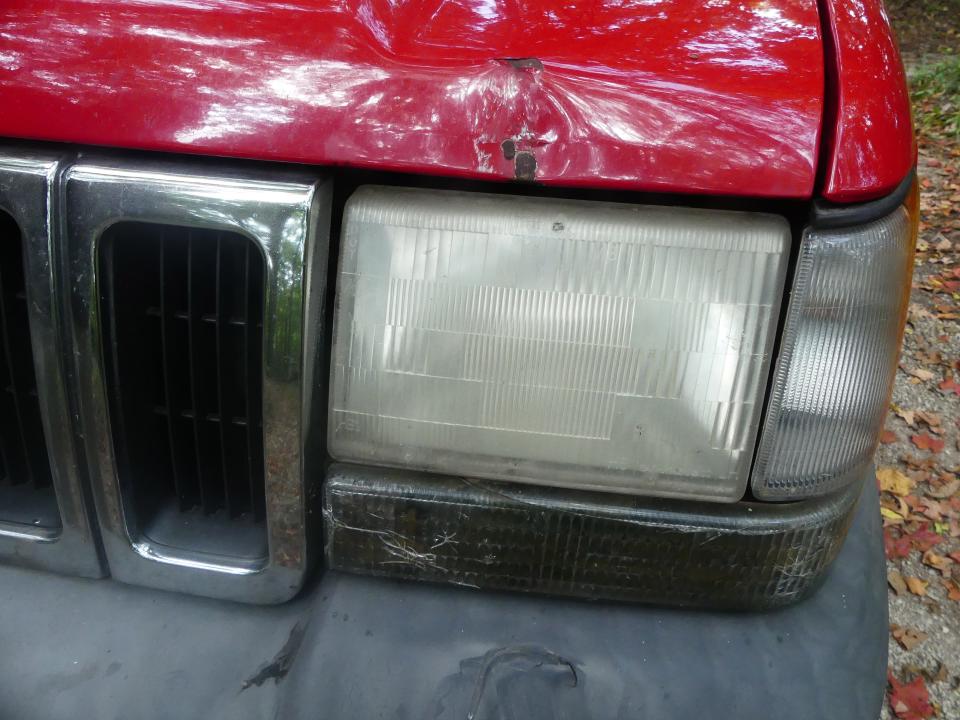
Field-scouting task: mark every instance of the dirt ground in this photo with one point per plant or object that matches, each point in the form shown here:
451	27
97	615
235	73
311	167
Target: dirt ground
919	458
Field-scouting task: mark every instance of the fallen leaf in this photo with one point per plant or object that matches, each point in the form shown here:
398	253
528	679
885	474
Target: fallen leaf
887	437
927	442
917	586
895	547
942	673
919	463
945	491
890	479
910	701
924	539
892	515
949	386
953	590
937	562
931	419
933	510
907	637
921	374
907	416
896	581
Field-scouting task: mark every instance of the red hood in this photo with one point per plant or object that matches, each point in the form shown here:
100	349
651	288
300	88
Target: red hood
708	96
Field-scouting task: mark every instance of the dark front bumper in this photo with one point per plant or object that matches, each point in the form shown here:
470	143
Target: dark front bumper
352	647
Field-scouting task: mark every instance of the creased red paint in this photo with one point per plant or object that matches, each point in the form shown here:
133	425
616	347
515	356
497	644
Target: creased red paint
686	96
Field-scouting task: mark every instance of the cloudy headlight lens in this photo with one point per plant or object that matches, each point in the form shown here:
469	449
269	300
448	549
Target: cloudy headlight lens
569	343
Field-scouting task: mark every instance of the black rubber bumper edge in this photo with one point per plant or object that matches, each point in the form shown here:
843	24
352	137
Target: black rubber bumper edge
508	536
353	647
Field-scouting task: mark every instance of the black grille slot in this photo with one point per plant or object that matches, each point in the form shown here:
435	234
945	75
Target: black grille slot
182	331
26	493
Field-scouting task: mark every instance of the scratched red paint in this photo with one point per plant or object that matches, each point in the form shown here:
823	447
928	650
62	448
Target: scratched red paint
713	97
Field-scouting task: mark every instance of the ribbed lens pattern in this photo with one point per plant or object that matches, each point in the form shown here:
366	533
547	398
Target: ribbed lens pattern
570	343
599	546
839	353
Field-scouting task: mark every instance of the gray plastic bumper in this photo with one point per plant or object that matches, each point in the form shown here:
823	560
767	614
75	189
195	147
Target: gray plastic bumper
353	647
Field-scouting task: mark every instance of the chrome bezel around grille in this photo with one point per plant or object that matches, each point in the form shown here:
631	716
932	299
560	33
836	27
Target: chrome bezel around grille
28	193
287	215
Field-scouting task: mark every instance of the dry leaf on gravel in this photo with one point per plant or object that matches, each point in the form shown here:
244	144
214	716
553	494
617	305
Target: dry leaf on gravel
921	374
923	538
941	675
925	441
910	701
887	437
917	586
895	545
907	637
891	516
937	562
889	479
949	386
931	419
946	490
953	590
896	581
908	416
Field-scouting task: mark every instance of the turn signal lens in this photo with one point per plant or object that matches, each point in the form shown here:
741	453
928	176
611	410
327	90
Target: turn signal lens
838	357
581	344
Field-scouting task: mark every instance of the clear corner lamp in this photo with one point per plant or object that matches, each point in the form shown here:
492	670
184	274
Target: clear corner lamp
569	343
838	357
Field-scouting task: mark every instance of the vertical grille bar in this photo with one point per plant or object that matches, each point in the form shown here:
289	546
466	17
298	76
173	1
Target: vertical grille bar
166	336
194	414
251	372
222	417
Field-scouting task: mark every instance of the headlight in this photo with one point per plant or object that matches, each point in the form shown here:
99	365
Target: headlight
838	357
569	343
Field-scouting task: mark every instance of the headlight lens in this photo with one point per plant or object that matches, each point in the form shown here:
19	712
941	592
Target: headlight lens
838	357
569	343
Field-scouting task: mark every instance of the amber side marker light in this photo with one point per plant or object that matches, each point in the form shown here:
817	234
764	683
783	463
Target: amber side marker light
577	515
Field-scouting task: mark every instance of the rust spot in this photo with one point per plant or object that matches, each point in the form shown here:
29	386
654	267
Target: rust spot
524	63
525	166
509	148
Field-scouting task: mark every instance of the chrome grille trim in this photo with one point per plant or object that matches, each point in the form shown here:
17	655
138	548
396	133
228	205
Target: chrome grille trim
287	215
28	183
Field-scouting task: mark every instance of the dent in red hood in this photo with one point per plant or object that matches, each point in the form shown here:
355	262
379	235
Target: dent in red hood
708	96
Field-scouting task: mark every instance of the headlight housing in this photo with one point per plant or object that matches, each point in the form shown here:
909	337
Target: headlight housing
579	344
